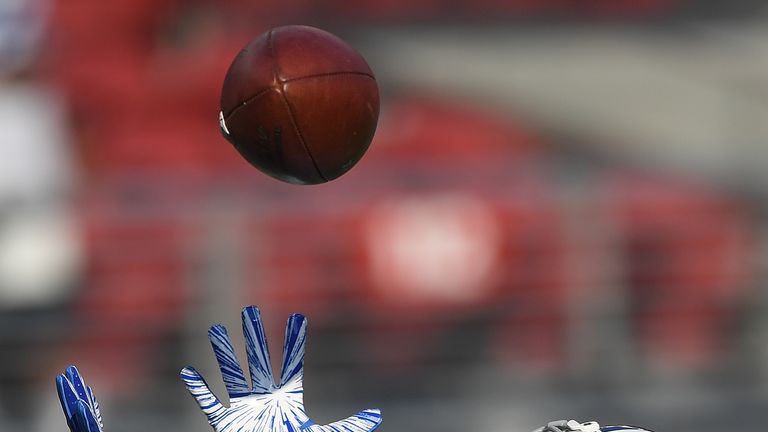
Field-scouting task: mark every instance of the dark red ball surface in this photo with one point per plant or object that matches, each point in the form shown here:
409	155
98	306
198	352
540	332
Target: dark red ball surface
300	104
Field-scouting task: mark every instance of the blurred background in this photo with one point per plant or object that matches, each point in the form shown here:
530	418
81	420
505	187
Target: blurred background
562	214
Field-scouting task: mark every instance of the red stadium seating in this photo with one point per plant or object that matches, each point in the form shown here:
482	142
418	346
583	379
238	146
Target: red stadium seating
686	252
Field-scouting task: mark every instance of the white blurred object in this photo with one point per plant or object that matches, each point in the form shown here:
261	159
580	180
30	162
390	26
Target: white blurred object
439	248
40	256
22	25
40	249
34	142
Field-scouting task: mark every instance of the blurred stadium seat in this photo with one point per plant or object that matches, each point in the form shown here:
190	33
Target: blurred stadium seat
687	266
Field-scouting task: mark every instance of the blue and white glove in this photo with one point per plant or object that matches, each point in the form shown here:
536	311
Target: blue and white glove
80	406
264	406
574	426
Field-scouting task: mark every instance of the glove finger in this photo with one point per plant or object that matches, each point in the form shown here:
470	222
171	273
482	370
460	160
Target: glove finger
77	382
67	397
94	403
259	363
293	349
364	421
231	371
84	420
199	390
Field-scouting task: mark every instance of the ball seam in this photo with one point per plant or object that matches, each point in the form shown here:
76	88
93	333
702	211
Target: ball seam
299	134
248	101
327	74
291	117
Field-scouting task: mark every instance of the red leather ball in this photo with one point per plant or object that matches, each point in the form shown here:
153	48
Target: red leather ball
300	104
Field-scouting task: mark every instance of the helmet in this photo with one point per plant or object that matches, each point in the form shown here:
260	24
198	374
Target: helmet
574	426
